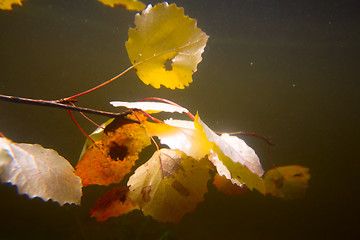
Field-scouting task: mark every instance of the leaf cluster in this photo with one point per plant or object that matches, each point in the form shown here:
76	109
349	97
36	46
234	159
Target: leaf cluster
164	48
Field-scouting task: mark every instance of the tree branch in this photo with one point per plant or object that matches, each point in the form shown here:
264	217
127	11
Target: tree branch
56	104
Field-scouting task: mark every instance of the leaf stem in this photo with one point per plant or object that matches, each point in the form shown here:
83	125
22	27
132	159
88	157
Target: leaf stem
79	127
98	86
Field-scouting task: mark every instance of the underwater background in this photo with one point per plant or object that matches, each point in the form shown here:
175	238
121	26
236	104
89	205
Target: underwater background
288	70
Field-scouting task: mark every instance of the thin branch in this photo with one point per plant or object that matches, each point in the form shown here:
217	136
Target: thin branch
55	104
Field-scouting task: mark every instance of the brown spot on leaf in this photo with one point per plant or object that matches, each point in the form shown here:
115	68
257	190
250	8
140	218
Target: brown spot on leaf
146	193
279	182
117	152
168	65
180	188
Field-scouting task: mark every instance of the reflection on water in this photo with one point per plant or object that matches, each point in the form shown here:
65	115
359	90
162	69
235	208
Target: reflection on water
283	70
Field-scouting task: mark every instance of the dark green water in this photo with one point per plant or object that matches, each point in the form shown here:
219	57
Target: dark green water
284	69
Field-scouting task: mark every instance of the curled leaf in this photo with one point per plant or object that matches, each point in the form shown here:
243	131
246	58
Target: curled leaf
39	172
169	185
112	204
288	182
165	47
109	159
232	163
134	5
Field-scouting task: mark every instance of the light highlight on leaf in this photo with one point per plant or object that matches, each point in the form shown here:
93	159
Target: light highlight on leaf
39	172
112	157
288	182
186	139
134	5
165	46
169	185
7	4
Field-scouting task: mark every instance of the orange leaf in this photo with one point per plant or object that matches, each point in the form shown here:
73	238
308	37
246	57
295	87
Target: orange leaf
288	182
225	185
114	154
112	204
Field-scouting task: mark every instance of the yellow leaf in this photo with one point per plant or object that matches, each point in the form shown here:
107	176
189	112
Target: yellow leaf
166	46
169	185
7	4
186	139
288	182
128	4
113	156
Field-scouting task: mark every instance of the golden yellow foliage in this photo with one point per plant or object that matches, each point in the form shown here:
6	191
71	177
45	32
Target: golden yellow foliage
7	4
169	185
288	182
128	4
166	46
113	156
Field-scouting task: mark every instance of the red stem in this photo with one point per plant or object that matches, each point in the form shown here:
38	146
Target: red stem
79	127
98	86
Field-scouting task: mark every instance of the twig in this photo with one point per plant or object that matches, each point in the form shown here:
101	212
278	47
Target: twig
55	104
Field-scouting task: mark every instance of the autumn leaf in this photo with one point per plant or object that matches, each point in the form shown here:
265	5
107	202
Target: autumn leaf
128	4
181	135
150	107
169	185
165	47
112	157
7	4
288	182
225	186
39	172
230	155
237	163
112	204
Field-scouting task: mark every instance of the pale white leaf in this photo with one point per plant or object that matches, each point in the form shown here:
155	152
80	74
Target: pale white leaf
236	149
150	106
180	123
39	172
